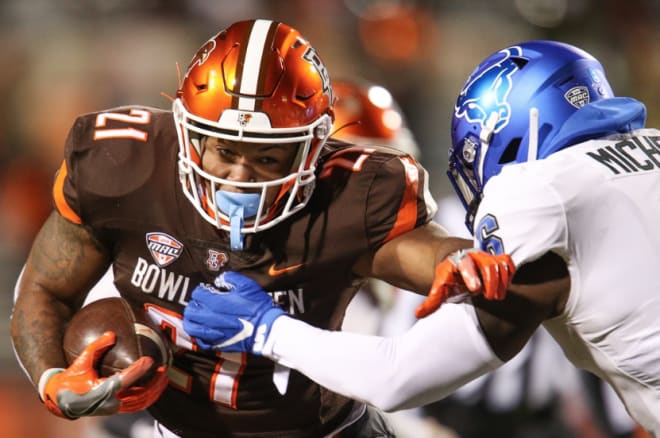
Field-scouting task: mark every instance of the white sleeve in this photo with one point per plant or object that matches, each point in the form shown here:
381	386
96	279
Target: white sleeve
428	362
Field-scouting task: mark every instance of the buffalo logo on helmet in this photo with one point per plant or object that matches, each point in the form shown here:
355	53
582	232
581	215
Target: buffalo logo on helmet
488	92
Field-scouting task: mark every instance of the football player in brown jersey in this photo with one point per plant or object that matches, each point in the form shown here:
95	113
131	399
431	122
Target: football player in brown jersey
238	176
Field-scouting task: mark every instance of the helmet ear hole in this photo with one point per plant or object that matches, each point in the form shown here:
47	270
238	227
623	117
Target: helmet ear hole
511	151
520	62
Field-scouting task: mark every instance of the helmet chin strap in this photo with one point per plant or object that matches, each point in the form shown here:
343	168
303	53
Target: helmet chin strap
533	148
238	206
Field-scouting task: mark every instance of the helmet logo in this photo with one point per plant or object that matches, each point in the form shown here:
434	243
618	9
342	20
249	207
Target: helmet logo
244	119
202	54
577	96
488	92
311	57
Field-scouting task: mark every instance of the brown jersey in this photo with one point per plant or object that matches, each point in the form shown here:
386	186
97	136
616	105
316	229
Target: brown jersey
120	180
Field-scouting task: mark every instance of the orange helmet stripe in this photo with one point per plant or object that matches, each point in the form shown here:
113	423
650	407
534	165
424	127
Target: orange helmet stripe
407	216
60	201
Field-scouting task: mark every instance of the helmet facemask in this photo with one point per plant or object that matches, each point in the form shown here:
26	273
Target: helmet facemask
257	82
203	189
464	177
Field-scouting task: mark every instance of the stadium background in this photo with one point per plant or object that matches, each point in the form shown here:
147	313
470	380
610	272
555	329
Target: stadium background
61	58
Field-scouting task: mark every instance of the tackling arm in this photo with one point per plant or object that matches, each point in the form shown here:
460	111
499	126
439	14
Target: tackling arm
441	352
428	362
438	354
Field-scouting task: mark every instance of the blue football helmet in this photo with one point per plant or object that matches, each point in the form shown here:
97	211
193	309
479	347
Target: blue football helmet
512	107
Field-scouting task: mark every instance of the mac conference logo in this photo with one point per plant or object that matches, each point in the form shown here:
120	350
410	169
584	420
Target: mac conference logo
164	248
577	96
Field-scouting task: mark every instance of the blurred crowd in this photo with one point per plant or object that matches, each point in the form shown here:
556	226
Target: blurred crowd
66	57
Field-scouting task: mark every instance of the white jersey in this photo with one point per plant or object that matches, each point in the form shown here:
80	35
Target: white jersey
596	204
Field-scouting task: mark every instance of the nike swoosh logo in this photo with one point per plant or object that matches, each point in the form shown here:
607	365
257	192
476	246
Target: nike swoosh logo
245	333
274	272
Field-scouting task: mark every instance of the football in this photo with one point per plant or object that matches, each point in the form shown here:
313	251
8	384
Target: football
135	336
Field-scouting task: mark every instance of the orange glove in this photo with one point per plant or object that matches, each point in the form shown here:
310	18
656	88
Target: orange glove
79	391
468	271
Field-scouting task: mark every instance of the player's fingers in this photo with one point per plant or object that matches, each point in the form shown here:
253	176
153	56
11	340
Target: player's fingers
128	376
434	300
468	269
199	294
509	270
500	282
427	307
499	276
422	310
103	342
490	280
201	330
139	398
240	282
198	317
92	353
160	379
496	276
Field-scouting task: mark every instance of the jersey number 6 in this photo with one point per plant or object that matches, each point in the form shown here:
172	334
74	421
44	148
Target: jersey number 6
485	233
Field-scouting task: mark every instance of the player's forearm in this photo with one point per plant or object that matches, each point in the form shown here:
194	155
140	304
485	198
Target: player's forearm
428	362
37	327
64	262
409	260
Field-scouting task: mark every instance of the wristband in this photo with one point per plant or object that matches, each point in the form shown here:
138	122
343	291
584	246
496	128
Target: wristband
43	380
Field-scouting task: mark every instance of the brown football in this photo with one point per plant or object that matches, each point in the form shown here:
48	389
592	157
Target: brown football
135	336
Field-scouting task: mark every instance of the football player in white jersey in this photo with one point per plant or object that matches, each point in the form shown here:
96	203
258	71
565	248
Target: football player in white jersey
560	174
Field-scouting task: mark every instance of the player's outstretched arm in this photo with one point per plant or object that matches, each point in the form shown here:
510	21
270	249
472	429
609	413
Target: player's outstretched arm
437	355
428	261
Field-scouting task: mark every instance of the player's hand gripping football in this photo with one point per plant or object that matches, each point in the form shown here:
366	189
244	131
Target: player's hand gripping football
235	315
468	271
78	391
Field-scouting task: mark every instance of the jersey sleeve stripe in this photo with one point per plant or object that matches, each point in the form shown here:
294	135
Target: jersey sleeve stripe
60	201
407	215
